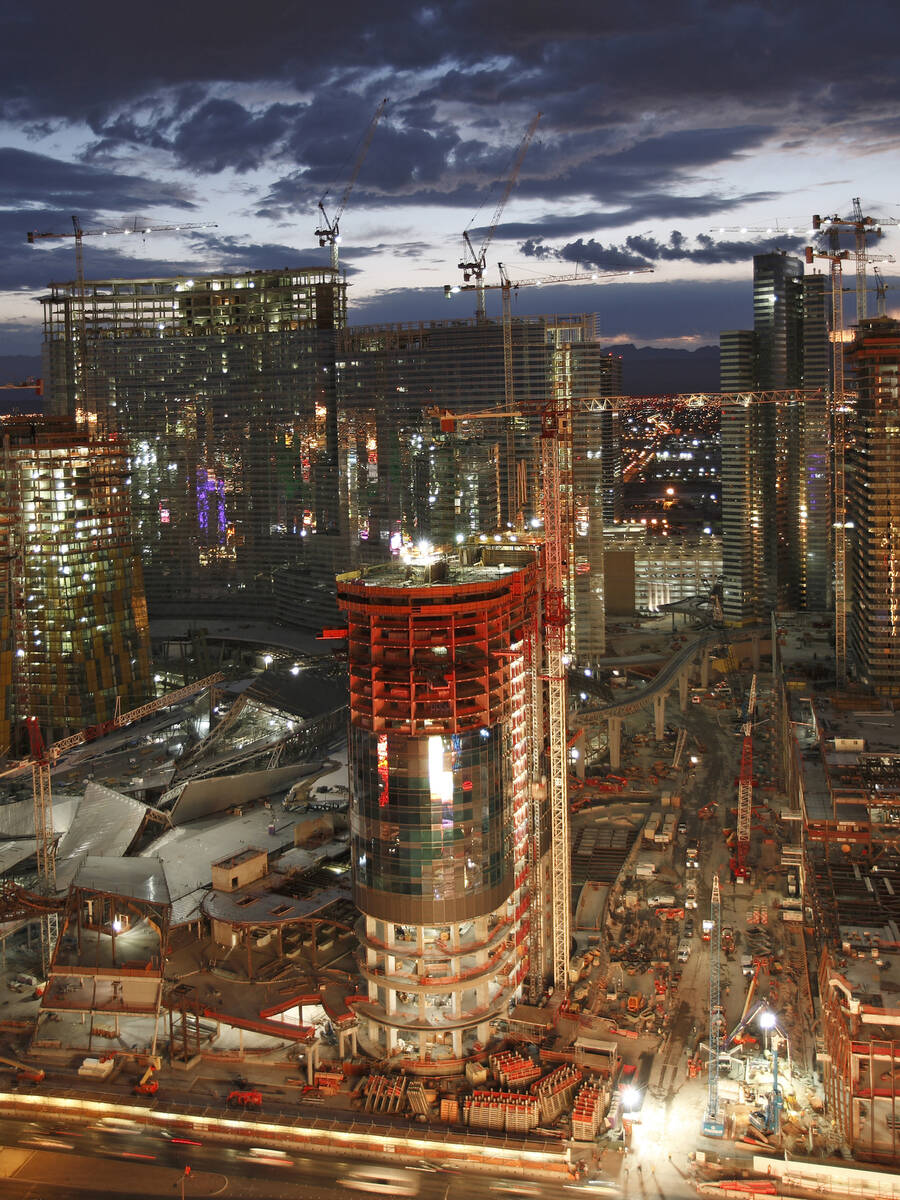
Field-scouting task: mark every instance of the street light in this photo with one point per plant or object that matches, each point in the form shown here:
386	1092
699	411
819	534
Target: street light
630	1097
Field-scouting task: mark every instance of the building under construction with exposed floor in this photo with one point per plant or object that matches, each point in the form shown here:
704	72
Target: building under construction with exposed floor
446	833
273	446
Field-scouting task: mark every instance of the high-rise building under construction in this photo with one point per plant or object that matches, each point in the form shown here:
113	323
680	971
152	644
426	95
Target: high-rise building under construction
73	621
223	388
446	833
273	446
873	626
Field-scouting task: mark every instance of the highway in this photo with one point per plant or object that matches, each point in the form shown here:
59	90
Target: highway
49	1161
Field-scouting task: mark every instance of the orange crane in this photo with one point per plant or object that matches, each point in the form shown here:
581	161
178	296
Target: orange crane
330	233
42	758
473	266
27	385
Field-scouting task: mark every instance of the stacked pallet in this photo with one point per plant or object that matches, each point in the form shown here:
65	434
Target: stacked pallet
758	915
509	1111
513	1069
329	1082
554	1092
587	1114
417	1098
385	1093
450	1110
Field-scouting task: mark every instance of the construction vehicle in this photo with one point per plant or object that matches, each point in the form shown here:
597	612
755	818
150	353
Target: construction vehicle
147	1085
24	1073
241	1098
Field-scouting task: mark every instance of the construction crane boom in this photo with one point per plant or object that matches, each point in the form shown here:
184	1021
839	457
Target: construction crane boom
330	232
473	266
863	228
79	234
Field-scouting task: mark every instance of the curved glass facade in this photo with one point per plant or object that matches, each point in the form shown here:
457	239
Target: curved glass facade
432	823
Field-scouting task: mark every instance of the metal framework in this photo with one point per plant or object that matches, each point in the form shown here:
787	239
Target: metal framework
712	1126
555	621
745	787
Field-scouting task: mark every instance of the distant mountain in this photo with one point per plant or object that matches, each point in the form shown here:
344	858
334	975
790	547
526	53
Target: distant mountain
15	368
647	371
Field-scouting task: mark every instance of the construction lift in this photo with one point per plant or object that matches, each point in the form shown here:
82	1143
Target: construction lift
712	1125
330	232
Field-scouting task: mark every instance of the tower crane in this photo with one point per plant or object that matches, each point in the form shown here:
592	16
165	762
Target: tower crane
880	293
712	1125
837	257
26	385
79	234
474	264
330	232
745	791
43	758
863	227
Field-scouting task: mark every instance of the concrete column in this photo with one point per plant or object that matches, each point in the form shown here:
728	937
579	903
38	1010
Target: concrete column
390	1001
312	1055
373	991
683	690
422	1049
704	668
422	1001
754	645
659	715
457	1043
391	1039
614	736
484	1033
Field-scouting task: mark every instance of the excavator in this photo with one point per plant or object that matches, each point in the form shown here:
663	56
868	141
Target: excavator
147	1085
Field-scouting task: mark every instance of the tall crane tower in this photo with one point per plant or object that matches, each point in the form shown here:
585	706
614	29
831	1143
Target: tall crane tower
863	228
330	232
880	293
712	1124
474	262
836	258
745	790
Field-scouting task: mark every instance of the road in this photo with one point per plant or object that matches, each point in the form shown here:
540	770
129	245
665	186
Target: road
48	1161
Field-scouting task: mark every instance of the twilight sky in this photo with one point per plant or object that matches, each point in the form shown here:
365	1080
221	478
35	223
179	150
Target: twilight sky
662	123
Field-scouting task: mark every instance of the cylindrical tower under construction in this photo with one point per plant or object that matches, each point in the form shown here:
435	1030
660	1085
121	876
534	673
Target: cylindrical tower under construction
440	655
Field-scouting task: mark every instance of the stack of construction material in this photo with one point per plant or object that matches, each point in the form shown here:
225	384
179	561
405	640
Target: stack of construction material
450	1110
758	915
513	1069
385	1093
329	1082
510	1111
588	1112
555	1092
475	1072
418	1098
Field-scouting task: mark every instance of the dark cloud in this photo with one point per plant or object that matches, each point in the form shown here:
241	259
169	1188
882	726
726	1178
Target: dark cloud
26	177
644	251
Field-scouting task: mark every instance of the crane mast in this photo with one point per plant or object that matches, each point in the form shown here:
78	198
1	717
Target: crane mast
474	264
836	258
712	1125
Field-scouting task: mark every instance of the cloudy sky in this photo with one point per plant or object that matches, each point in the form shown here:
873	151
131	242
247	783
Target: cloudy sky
662	124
